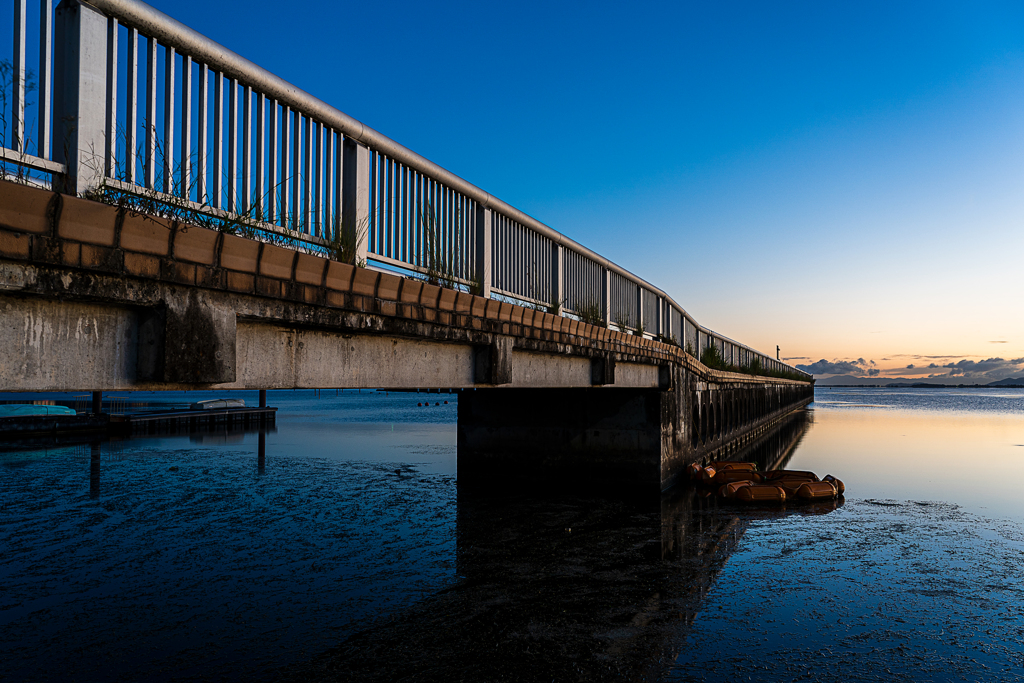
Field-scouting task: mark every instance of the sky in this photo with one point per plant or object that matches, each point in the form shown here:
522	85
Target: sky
843	180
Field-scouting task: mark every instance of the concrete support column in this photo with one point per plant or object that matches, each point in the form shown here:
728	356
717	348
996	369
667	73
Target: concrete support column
97	402
492	364
80	95
602	370
483	250
190	340
576	434
263	398
355	199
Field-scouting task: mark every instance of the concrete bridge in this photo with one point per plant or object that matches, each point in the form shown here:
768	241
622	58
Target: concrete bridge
319	253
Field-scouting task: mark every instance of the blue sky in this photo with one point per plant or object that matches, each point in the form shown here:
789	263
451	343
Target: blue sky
842	180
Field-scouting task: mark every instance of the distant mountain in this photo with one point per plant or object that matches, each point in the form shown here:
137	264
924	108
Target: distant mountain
851	381
1009	381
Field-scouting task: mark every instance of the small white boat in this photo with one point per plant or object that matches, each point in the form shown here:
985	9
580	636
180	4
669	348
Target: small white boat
218	404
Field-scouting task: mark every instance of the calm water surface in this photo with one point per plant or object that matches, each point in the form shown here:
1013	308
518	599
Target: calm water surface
351	553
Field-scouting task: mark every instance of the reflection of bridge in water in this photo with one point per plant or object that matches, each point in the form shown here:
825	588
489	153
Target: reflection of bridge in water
565	587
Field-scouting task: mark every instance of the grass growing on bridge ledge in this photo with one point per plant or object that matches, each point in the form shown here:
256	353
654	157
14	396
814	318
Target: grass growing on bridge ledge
712	358
342	246
588	311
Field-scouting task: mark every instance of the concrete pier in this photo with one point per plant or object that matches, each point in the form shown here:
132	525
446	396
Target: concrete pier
643	438
97	298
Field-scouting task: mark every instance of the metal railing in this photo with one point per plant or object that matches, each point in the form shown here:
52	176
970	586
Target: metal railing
25	132
135	102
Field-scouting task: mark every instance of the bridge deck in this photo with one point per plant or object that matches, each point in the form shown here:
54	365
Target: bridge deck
101	298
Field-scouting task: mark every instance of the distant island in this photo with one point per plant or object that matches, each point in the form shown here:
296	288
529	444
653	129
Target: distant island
903	383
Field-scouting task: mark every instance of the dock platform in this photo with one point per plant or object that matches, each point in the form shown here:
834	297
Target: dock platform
147	422
190	420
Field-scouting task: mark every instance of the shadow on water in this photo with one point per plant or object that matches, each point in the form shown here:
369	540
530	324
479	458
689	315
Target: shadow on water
557	586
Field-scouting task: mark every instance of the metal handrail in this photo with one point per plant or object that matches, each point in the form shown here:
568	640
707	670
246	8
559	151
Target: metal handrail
189	43
151	21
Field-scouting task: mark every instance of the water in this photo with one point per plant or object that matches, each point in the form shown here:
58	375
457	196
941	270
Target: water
960	446
351	553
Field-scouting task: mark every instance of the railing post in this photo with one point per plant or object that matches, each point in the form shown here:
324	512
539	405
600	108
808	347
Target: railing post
18	78
483	250
606	296
45	88
639	307
80	95
355	202
558	277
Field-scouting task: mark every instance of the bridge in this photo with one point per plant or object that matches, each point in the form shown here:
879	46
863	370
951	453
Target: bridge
149	239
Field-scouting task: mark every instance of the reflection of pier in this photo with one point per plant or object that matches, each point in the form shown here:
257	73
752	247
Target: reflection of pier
218	431
556	587
163	420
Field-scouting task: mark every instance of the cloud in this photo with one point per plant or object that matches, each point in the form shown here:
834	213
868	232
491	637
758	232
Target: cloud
954	368
999	341
839	367
989	368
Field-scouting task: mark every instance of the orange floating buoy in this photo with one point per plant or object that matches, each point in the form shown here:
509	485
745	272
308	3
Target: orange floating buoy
773	475
729	476
724	466
695	471
761	493
790	481
840	487
708	473
817	490
729	490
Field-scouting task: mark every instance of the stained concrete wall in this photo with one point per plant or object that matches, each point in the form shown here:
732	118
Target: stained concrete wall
192	339
275	356
51	346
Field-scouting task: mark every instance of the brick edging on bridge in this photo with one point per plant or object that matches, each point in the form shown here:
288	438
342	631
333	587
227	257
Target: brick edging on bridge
53	229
